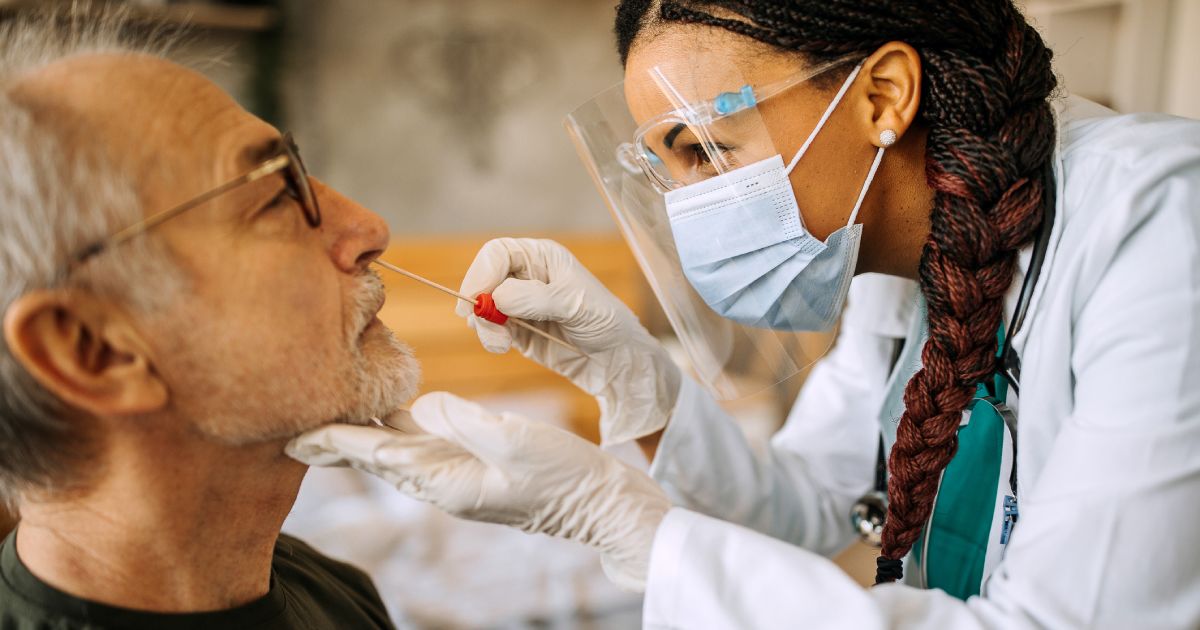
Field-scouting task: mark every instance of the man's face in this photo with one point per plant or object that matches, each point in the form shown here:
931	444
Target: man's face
273	330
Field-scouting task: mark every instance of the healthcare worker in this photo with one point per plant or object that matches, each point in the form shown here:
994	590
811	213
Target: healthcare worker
1035	392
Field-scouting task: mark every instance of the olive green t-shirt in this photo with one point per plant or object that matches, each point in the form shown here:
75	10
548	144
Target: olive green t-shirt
308	590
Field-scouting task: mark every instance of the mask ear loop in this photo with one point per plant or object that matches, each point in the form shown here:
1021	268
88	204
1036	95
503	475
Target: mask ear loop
862	195
824	118
887	138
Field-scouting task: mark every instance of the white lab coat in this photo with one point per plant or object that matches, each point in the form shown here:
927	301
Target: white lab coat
1108	438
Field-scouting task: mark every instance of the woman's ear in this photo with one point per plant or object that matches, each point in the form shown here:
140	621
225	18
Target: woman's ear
892	84
85	352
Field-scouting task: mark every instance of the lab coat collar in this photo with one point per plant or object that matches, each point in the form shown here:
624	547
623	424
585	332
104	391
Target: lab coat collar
1066	111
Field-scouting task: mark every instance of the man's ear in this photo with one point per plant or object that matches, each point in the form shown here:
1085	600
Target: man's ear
85	352
893	90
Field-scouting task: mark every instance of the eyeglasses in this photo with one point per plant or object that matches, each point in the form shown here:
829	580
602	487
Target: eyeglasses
286	160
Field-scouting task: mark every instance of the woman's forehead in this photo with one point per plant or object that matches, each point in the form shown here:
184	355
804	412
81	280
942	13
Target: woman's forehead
664	73
660	83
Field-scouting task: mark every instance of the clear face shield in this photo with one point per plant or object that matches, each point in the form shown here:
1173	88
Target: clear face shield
699	188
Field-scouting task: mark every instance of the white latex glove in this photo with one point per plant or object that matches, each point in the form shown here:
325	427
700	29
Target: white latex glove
627	370
508	470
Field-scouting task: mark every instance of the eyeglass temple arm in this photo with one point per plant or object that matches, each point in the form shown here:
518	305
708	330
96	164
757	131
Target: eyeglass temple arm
271	166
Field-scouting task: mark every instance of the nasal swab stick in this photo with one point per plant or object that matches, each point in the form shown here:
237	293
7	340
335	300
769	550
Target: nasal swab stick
395	427
484	307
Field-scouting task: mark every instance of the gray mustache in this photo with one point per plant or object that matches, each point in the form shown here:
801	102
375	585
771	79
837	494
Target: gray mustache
368	297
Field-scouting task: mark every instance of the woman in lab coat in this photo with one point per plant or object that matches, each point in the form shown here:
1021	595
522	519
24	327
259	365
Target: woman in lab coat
1012	241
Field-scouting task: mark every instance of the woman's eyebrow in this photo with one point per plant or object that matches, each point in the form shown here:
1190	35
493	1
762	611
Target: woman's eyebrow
669	139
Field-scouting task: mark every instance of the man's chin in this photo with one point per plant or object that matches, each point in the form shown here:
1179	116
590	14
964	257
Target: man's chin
387	377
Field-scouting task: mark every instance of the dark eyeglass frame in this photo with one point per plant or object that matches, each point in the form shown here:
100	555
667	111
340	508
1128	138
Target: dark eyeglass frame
286	160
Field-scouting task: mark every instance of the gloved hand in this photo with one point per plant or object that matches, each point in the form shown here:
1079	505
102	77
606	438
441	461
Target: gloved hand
508	470
627	370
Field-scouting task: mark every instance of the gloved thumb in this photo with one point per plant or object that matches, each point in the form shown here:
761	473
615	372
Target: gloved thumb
496	260
534	300
487	436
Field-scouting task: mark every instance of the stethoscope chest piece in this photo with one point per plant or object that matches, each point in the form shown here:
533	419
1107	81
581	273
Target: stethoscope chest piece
868	515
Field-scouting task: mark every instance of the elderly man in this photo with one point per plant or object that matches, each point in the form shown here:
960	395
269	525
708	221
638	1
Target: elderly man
179	299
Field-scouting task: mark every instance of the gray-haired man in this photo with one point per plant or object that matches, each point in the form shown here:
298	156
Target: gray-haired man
179	300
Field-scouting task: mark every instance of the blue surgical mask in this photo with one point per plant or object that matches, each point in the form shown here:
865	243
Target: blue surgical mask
744	248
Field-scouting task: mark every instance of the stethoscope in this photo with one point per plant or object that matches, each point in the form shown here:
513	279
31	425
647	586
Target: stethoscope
870	511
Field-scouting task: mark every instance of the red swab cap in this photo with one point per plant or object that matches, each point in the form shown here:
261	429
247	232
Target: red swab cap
485	308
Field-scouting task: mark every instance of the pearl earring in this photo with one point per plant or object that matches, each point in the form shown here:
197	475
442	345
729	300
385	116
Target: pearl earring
887	138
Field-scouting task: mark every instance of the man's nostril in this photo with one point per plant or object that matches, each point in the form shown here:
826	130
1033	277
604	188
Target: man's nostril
366	257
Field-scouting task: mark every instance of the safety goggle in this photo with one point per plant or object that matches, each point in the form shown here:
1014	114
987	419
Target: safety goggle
693	142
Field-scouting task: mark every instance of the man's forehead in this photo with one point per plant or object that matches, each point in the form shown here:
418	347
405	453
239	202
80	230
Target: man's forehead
139	106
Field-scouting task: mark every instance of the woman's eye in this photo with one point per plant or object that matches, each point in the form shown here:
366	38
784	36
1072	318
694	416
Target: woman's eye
703	154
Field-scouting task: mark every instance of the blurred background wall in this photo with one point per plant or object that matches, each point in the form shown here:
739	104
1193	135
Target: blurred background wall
445	117
1131	55
457	108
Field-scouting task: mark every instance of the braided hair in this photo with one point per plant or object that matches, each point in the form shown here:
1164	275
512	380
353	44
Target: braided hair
985	103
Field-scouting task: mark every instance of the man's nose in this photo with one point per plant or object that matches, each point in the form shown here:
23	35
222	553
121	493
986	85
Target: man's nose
357	235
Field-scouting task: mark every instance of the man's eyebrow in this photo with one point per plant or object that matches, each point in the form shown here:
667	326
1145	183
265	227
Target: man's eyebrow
250	157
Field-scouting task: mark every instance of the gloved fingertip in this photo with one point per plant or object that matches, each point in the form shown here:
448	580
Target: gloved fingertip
301	451
314	449
337	444
433	412
494	337
496	348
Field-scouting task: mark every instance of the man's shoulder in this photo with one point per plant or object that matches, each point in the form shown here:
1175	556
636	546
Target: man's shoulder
308	590
295	555
324	586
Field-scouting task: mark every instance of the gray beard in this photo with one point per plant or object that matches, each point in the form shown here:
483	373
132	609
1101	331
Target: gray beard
381	376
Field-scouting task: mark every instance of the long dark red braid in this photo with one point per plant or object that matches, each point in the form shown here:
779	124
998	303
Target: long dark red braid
987	79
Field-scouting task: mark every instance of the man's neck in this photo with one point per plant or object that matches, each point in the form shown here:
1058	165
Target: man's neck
181	530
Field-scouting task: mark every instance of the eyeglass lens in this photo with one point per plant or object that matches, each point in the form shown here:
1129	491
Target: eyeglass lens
299	185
